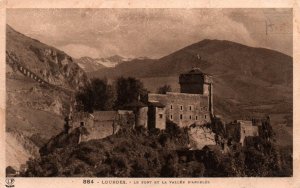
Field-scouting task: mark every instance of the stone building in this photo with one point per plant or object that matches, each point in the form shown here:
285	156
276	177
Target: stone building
243	128
194	103
156	115
140	111
196	82
99	124
247	129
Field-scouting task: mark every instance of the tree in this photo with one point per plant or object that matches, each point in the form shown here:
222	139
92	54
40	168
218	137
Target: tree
267	130
164	89
10	170
128	90
98	95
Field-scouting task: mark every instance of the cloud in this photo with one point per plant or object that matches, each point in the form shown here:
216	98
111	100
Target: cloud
79	50
144	32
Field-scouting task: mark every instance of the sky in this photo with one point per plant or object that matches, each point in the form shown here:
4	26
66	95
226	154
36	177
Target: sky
151	33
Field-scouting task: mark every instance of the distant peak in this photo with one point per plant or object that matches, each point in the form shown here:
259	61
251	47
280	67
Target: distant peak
85	57
115	56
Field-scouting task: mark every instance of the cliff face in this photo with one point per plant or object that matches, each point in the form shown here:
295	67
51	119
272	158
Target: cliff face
52	65
201	136
40	81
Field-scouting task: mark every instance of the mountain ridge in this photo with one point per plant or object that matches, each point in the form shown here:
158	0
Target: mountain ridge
49	63
194	55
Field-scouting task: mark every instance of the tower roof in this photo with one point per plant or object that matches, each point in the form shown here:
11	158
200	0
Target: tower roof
195	70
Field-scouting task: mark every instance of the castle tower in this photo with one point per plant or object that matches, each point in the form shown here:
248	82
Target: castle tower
196	82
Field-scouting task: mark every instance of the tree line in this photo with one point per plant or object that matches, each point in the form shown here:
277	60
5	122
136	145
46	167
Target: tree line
100	95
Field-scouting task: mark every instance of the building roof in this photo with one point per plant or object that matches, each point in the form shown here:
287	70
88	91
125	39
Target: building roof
156	104
136	104
104	115
195	70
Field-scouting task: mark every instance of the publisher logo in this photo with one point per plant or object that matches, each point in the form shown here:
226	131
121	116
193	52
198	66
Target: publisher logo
10	182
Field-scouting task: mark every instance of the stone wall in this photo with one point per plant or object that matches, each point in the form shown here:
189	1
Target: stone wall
142	117
243	128
81	118
184	109
101	124
12	61
247	129
160	117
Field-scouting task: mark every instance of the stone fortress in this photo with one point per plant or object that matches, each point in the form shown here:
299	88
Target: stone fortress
193	105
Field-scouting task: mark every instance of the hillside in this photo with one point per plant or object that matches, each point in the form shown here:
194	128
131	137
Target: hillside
247	81
36	110
51	64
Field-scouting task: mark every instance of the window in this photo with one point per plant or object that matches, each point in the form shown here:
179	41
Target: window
190	117
191	107
81	124
196	117
171	107
181	107
180	116
160	116
171	116
204	116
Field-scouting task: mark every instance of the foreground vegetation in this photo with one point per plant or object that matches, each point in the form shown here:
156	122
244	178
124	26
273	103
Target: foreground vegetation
141	153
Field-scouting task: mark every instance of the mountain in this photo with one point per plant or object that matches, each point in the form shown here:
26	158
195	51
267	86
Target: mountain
40	80
52	65
112	61
89	64
248	81
114	58
215	57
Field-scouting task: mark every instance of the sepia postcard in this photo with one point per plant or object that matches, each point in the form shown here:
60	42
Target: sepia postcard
149	94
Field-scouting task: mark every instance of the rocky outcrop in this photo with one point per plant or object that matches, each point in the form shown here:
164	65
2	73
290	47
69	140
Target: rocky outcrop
43	63
19	149
200	136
